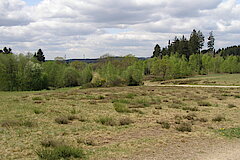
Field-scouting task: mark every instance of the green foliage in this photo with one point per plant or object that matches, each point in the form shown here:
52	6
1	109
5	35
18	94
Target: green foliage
60	152
108	121
231	132
121	108
134	74
70	77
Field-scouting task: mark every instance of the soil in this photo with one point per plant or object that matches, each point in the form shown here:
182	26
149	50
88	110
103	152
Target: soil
196	149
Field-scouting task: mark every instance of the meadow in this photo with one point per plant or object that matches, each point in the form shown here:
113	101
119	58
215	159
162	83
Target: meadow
114	123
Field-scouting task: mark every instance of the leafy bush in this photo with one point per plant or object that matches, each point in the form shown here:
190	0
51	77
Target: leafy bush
60	152
121	108
184	127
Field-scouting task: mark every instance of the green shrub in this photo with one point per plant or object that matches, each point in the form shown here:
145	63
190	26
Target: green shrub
60	152
108	121
38	111
230	132
121	108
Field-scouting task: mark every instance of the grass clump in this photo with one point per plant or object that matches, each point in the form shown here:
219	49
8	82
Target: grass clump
108	121
125	121
194	109
190	116
184	127
203	120
219	118
60	152
101	97
164	124
175	106
38	111
62	120
231	106
130	95
72	117
204	103
37	98
121	108
137	111
143	102
125	101
231	132
158	107
50	143
18	123
88	142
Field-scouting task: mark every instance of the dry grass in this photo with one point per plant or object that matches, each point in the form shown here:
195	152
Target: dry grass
120	123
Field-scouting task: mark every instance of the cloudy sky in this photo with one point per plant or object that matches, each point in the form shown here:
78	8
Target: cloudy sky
118	27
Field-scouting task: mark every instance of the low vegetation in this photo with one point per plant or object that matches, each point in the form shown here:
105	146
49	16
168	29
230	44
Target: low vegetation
95	123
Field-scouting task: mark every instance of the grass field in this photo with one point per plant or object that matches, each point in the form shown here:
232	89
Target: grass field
211	79
113	123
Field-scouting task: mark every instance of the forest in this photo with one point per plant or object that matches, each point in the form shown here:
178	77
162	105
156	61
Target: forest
181	58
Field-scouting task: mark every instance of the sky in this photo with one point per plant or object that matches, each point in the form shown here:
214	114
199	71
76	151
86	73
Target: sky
91	28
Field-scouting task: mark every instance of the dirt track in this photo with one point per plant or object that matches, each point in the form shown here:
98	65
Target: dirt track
189	86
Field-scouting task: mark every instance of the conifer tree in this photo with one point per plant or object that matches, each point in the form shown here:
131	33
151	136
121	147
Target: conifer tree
210	42
39	55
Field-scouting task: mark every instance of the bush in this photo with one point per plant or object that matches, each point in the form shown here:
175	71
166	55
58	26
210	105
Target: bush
60	152
62	120
125	121
164	124
184	127
70	77
108	121
121	108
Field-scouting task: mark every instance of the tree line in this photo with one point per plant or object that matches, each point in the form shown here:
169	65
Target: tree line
187	47
181	58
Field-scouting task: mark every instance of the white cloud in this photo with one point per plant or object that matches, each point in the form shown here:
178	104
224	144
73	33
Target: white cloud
94	27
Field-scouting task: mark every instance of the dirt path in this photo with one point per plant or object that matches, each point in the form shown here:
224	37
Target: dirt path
195	149
147	83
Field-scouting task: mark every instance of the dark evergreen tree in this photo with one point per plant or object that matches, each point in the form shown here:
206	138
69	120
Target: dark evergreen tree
39	55
210	42
200	39
6	51
157	51
194	42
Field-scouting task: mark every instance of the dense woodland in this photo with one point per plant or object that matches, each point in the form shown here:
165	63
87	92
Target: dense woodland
181	58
